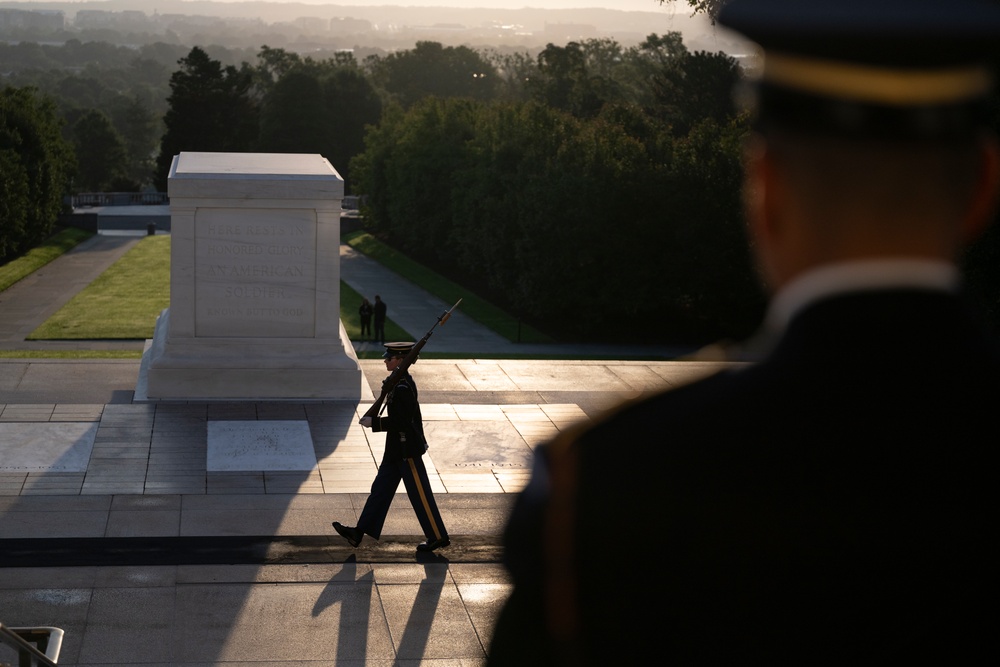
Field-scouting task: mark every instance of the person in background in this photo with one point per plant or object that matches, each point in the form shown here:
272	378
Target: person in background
380	309
833	503
365	314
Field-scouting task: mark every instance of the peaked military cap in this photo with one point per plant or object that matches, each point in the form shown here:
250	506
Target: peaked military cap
396	349
885	68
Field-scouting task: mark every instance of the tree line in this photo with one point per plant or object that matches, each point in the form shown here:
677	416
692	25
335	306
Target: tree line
604	228
536	176
591	189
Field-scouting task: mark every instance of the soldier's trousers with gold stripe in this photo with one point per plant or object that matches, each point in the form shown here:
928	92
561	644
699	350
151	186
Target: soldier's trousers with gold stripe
414	477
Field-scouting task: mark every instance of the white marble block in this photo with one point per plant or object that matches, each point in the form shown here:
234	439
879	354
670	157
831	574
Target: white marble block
254	283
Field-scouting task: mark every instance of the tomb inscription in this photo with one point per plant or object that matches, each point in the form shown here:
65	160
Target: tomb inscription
255	270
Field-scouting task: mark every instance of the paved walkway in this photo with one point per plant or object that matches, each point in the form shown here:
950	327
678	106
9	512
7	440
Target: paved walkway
29	302
124	523
415	311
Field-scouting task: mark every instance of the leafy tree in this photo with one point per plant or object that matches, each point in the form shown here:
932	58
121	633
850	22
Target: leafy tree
273	64
564	82
130	114
352	105
712	286
709	7
211	108
415	158
696	86
139	127
102	157
663	50
81	91
503	193
90	52
597	228
292	118
514	71
582	77
36	164
25	55
371	168
644	63
147	73
555	225
14	198
604	58
316	107
162	53
431	69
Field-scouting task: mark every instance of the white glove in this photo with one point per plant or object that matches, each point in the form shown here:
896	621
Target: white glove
366	422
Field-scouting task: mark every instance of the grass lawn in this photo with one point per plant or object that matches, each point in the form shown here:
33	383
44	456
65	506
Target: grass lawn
37	257
122	303
70	354
478	309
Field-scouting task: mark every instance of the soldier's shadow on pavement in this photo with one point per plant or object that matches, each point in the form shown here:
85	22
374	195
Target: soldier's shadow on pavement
416	634
354	595
352	589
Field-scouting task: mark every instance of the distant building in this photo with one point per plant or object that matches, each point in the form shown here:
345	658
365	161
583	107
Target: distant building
350	26
311	25
133	18
190	20
559	33
95	18
441	28
35	18
128	19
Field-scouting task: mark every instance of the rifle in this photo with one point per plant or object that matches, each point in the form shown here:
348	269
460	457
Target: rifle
390	382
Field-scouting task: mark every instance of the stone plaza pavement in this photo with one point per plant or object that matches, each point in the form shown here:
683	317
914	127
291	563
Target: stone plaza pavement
150	537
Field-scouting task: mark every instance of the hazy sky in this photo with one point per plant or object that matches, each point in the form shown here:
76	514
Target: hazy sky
625	5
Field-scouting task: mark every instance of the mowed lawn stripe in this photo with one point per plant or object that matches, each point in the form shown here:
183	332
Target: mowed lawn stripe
120	304
124	301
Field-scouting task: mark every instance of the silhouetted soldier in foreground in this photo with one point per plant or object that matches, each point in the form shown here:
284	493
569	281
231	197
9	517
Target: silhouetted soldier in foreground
836	502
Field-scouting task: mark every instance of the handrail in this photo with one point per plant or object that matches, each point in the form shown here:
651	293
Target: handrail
22	640
89	199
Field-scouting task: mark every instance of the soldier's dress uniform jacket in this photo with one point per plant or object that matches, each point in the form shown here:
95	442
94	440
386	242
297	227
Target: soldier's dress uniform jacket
834	504
403	424
405	445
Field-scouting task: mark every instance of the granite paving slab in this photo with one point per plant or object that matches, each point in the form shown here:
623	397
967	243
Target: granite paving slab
260	445
46	447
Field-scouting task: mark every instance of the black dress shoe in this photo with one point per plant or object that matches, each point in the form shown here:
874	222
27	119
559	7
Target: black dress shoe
431	545
352	535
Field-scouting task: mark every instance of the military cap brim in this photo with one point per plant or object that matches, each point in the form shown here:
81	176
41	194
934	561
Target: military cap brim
398	349
883	67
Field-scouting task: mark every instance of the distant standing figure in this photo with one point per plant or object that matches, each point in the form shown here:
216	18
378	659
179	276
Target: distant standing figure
379	319
365	312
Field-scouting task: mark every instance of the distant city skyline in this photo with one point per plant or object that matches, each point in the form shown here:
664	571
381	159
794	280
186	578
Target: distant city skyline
623	5
669	7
